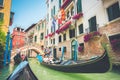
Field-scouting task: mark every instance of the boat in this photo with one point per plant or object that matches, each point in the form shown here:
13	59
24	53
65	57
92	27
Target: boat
22	72
17	58
97	64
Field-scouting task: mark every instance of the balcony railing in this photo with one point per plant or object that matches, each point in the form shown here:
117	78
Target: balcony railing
77	16
66	3
64	27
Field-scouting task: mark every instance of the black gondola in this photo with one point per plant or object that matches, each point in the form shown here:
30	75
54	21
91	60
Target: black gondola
96	65
22	72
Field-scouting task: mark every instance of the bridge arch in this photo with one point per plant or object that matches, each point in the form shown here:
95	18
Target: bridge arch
28	50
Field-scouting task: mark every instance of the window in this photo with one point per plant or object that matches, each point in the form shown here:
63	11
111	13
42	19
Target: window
79	6
113	11
60	39
72	11
59	3
38	27
92	24
115	42
1	17
51	41
81	44
60	49
41	36
54	10
35	39
42	25
68	14
64	37
72	33
80	28
54	41
1	3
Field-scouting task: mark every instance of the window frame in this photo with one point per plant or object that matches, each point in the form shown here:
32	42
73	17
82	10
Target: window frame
113	11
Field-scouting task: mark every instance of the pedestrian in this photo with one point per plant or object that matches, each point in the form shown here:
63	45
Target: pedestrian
23	57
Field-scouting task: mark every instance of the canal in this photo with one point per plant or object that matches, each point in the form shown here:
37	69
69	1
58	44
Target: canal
44	73
6	71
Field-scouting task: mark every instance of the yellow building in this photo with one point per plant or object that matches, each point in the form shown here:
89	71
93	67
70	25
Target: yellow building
5	6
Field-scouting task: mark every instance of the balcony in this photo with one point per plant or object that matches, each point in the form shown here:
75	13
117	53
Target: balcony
65	4
64	27
77	16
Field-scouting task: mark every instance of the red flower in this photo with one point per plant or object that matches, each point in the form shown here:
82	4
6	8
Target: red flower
46	36
80	48
87	37
77	16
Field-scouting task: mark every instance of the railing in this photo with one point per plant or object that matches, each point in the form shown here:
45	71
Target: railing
66	3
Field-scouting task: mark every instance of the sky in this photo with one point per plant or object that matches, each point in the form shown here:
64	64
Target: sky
27	12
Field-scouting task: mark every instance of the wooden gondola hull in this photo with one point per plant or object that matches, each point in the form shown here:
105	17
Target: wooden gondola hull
100	65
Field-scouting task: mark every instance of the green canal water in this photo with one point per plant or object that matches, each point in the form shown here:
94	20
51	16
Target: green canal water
44	73
6	71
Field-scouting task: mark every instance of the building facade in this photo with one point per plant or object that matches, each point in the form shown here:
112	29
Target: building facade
18	38
76	18
5	6
35	36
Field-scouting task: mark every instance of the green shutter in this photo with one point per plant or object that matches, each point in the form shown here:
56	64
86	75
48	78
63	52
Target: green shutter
35	38
42	35
81	29
79	6
113	11
59	3
1	3
110	13
92	24
1	17
54	10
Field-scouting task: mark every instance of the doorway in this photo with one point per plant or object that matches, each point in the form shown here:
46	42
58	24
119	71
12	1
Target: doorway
74	50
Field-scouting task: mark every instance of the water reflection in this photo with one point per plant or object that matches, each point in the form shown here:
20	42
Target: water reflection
6	71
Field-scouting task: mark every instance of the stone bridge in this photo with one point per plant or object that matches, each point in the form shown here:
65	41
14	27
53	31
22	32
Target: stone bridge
28	49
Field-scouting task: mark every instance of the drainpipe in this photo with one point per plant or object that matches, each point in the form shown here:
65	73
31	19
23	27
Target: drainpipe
6	53
9	56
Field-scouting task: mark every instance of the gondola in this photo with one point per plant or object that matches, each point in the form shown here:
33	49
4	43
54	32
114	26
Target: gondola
22	72
95	65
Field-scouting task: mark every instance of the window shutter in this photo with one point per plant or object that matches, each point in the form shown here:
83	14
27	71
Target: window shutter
1	3
80	28
92	24
79	6
59	3
1	17
113	11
